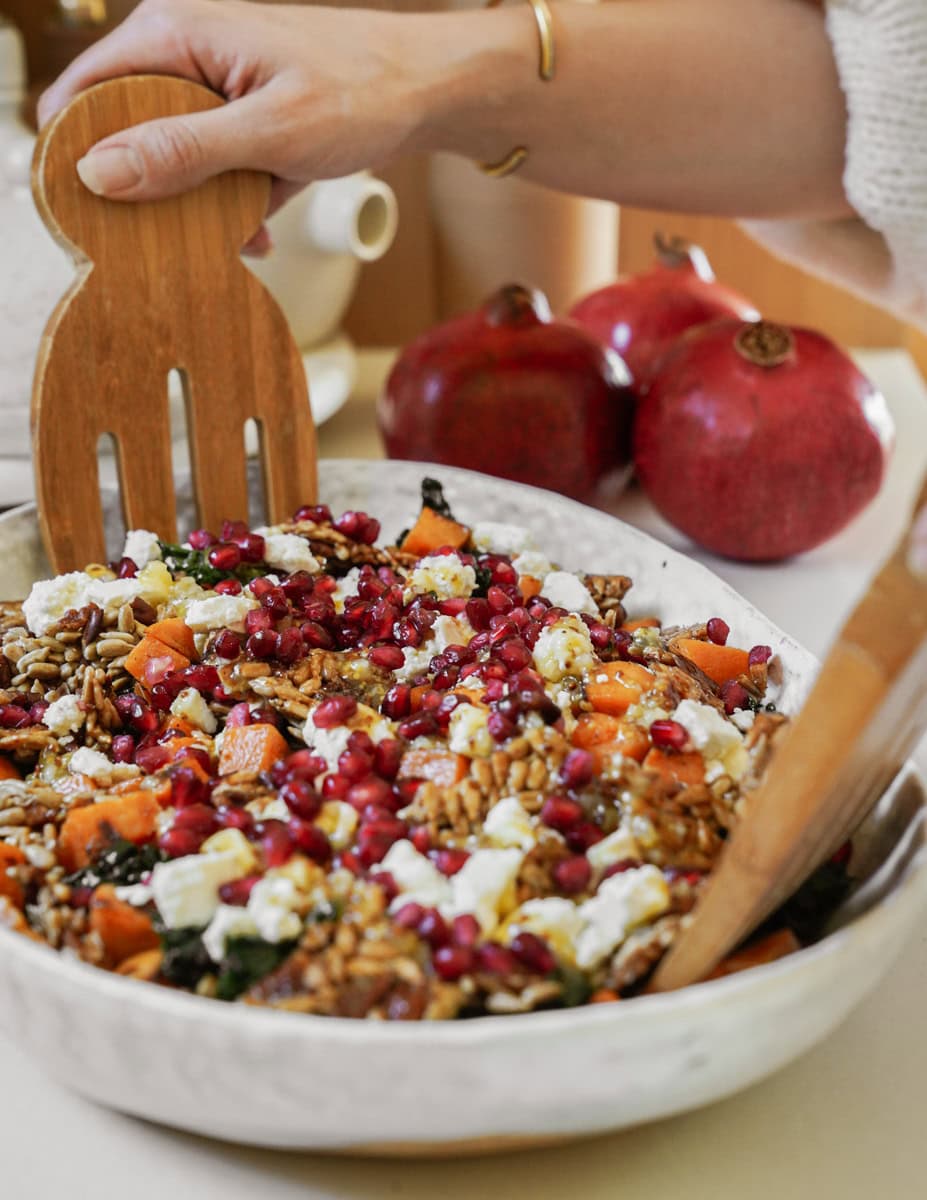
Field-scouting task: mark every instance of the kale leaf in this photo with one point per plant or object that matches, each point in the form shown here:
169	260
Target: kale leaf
433	497
122	863
182	560
807	910
185	959
247	960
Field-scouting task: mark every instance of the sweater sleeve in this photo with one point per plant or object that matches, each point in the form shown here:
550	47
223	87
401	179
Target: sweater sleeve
880	47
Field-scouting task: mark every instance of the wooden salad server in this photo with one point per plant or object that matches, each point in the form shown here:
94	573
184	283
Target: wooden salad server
866	713
160	287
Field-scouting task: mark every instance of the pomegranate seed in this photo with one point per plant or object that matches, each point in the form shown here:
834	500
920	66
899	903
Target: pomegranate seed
304	765
202	677
371	791
123	748
420	837
362	743
465	930
252	547
717	631
500	726
298	585
158	669
619	868
225	557
233	529
236	818
533	953
497	960
498	600
445	679
389	885
187	788
199	818
276	842
349	523
669	735
449	861
354	765
301	799
178	843
369	531
582	836
319	514
275	602
759	654
334	711
494	690
578	769
152	758
602	637
432	928
228	644
238	891
386	758
81	897
422	724
349	860
335	787
289	646
261	586
514	654
562	814
239	715
126	568
309	840
451	962
388	658
406	634
735	696
198	755
258	620
14	716
262	645
397	703
316	636
409	916
202	539
572	875
374	839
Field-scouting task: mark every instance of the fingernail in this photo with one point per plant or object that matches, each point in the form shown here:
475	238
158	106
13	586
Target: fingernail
917	545
110	171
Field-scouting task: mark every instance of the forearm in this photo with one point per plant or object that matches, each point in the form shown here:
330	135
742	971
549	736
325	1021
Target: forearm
724	106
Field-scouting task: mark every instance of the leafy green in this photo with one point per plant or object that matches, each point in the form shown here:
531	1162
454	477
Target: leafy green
182	560
185	959
576	988
122	863
246	961
433	497
807	910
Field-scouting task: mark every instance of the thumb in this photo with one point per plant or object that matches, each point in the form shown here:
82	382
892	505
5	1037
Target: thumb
165	157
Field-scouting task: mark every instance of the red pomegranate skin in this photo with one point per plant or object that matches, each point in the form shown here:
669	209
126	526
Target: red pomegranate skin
757	462
510	392
641	316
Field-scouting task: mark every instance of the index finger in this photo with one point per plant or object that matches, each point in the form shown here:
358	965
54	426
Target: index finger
140	45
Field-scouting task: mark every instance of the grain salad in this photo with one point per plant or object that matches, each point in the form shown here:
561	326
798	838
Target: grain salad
293	767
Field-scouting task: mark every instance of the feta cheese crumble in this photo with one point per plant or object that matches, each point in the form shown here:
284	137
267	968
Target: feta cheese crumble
565	648
468	732
495	537
64	716
186	890
190	706
485	886
719	740
565	590
288	552
220	612
99	768
142	546
507	824
416	877
444	575
621	904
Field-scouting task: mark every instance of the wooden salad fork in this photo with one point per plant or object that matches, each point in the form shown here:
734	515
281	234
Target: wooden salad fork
865	714
160	287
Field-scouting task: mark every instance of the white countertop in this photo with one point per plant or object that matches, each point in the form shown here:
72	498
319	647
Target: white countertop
847	1120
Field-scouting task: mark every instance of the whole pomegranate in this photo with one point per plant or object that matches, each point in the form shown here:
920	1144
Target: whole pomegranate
760	441
642	315
509	391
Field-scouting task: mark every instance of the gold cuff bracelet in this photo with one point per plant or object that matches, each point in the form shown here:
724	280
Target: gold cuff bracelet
542	15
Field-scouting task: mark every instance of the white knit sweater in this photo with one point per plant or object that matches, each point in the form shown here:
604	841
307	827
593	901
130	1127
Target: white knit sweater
881	52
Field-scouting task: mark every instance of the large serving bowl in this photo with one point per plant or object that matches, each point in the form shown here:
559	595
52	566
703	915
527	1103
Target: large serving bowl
291	1080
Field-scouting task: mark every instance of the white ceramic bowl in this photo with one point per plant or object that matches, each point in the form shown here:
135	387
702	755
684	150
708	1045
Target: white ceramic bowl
288	1080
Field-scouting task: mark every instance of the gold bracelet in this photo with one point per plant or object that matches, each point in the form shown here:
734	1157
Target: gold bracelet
542	15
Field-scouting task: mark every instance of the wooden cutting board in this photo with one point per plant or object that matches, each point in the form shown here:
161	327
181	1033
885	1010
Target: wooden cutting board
160	287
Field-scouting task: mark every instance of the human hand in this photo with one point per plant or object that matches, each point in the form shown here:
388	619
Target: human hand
314	93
